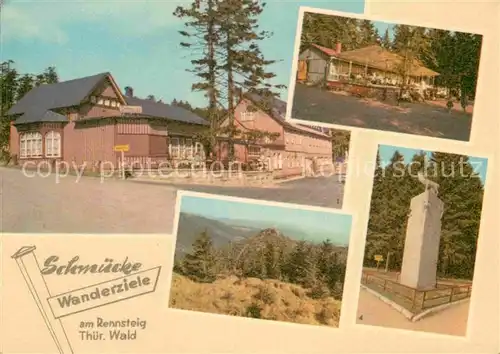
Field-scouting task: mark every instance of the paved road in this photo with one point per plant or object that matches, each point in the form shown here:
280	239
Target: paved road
320	191
452	321
314	104
41	205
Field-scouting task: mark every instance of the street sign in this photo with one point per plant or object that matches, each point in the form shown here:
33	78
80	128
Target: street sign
121	148
131	109
378	258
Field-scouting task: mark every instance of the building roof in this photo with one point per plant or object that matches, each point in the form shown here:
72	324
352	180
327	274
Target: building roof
328	51
379	58
58	95
37	104
277	110
40	115
163	110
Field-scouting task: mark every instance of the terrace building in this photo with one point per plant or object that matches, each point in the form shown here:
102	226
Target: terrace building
372	63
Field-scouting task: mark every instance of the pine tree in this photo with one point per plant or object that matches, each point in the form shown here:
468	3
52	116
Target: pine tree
241	58
462	194
202	32
199	265
340	142
272	265
368	33
50	75
8	95
299	269
26	83
386	40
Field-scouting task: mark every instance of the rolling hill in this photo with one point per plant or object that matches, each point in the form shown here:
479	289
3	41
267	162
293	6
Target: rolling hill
191	226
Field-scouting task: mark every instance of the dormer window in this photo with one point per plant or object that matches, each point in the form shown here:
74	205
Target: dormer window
247	116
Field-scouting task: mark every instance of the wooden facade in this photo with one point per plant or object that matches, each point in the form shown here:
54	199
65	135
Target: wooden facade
94	127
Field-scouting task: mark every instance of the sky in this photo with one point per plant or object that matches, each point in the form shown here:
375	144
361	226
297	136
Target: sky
318	222
386	152
137	41
382	26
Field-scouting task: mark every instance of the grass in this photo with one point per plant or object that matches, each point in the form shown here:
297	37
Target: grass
254	298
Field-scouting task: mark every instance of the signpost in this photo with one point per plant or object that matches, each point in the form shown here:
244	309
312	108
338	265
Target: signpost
122	149
378	258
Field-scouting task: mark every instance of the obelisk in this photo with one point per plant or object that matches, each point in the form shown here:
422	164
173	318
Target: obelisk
423	234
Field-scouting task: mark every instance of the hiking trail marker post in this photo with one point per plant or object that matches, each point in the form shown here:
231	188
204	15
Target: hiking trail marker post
30	269
122	149
378	258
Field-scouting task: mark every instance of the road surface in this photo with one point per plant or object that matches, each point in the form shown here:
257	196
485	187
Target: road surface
319	191
314	104
452	321
40	205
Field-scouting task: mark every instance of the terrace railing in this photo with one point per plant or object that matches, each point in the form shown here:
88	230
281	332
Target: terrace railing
415	300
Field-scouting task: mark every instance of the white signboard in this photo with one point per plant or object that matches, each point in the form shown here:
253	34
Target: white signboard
131	109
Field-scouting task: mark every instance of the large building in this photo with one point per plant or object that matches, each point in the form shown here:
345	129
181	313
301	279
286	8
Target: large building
295	147
80	121
319	64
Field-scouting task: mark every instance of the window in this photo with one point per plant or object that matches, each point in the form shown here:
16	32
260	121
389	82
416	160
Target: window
100	101
280	161
107	102
198	148
275	161
253	151
267	140
93	99
246	116
73	116
180	148
53	144
30	145
189	148
174	147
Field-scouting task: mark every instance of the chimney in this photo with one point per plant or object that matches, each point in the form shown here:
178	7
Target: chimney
338	48
129	91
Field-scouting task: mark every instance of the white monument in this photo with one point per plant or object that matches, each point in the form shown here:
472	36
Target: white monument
423	234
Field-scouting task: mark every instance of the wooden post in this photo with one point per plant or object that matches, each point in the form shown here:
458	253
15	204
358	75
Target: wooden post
387	262
123	164
30	269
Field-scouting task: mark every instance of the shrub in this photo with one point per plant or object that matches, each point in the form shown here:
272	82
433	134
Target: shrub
253	311
266	295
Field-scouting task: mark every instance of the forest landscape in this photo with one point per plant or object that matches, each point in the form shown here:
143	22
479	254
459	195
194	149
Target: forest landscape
273	262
